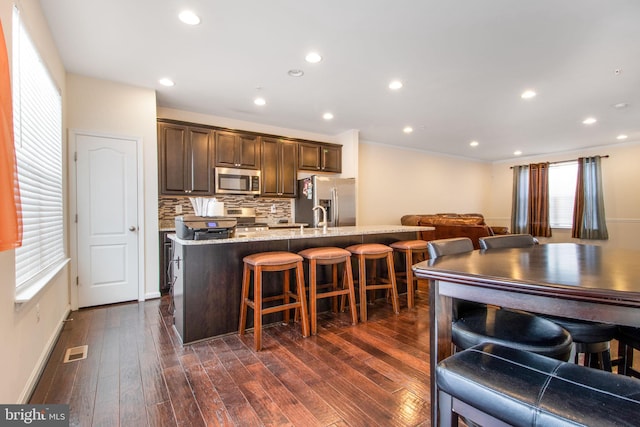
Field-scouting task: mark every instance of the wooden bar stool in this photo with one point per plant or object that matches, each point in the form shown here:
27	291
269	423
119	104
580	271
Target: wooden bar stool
329	256
410	248
267	262
374	251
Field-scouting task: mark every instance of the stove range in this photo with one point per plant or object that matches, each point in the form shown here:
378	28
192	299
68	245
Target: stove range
246	218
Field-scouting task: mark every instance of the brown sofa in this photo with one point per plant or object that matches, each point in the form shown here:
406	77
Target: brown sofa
448	225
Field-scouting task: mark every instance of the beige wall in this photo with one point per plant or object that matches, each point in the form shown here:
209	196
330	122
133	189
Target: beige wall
395	182
26	341
620	176
119	110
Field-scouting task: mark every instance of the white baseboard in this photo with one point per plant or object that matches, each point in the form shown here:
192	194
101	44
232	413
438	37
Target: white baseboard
152	295
42	361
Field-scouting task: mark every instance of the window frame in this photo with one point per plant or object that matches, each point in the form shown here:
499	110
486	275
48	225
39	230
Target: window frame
39	155
564	193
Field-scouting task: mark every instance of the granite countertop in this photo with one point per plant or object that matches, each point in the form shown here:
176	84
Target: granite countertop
288	224
170	225
296	233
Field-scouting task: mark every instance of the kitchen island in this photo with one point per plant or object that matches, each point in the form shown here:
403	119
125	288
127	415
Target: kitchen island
207	274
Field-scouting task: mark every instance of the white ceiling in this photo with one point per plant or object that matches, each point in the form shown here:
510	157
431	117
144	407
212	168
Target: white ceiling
464	64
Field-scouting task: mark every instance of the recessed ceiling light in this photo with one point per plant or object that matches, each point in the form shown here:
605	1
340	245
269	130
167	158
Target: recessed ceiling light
474	143
517	153
395	85
407	129
313	57
528	94
166	82
296	73
327	116
189	18
589	121
621	137
259	101
620	105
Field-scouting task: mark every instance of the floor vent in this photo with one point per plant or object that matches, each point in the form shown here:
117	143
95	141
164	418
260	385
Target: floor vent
76	353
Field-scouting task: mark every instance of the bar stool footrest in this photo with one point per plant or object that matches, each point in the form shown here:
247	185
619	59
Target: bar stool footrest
279	308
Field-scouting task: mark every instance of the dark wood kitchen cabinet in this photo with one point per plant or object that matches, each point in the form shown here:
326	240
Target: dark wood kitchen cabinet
237	150
185	160
279	167
319	157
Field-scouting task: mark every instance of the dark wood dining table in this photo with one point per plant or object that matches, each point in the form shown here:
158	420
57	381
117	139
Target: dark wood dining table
577	281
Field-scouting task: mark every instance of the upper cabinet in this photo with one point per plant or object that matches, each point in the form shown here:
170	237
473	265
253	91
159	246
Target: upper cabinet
237	150
279	168
188	153
319	157
185	159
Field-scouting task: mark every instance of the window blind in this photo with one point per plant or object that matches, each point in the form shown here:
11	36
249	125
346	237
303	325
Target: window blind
37	110
562	192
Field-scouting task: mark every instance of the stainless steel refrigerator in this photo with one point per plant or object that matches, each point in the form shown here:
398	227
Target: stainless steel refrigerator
336	195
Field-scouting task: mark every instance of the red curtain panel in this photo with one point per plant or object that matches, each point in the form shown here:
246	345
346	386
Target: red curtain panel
10	214
539	199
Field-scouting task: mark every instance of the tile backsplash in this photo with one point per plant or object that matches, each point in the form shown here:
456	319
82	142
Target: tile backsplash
283	207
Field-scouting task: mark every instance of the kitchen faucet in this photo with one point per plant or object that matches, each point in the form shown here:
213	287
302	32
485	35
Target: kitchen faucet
323	223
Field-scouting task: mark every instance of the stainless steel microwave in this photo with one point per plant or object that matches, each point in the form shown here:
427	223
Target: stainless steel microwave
237	181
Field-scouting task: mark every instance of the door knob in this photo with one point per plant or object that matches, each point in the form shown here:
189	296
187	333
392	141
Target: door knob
132	228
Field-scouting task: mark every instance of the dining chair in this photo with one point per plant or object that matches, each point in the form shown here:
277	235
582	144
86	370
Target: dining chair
507	241
475	323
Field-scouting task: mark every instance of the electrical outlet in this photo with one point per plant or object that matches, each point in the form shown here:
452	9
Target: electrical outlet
178	209
37	312
273	208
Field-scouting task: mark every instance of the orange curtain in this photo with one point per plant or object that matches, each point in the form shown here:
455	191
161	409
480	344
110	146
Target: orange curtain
539	200
10	213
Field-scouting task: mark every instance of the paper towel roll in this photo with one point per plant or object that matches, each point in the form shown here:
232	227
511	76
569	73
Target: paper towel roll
215	208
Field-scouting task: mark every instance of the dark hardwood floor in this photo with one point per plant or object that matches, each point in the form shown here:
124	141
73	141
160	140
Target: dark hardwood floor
137	373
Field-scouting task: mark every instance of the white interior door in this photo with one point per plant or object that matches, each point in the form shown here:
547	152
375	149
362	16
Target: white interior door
106	184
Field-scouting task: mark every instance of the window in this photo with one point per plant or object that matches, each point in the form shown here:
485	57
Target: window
37	110
562	191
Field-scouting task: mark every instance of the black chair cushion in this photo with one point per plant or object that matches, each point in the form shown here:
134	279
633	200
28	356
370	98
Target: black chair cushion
583	331
526	389
511	328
